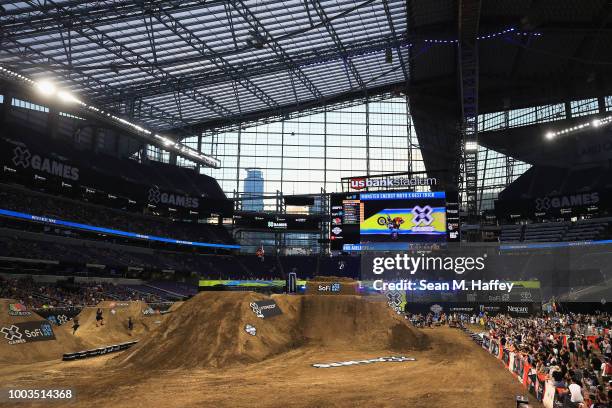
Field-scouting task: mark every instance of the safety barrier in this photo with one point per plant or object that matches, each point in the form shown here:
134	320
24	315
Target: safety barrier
98	351
519	367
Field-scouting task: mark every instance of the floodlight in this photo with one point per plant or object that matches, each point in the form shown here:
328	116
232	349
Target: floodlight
45	87
67	97
550	135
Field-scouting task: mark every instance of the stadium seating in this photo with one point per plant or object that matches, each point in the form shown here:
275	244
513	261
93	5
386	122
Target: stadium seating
584	230
581	230
22	200
511	233
545	232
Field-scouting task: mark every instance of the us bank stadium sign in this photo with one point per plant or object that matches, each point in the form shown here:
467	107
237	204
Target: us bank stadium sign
360	183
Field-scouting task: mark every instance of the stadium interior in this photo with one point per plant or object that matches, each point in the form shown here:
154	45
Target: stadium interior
347	203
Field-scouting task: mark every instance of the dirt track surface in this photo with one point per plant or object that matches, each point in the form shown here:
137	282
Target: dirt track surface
452	373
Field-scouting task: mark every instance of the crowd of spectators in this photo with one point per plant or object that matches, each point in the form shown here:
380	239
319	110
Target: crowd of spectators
573	350
45	294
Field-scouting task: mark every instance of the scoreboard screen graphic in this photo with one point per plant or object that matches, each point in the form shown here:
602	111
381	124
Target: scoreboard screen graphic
400	216
387	220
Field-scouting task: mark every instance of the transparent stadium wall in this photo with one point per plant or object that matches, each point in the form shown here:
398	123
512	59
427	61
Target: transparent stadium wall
311	153
496	170
307	154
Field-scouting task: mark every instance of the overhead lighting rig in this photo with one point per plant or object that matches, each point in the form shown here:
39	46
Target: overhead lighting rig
48	89
595	123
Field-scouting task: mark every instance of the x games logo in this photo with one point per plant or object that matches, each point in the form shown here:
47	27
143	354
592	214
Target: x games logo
21	157
422	215
12	334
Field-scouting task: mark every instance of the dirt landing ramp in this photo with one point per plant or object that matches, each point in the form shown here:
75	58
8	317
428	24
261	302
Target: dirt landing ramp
209	330
364	322
24	353
115	329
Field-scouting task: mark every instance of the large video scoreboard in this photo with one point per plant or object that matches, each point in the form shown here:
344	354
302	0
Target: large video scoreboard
389	220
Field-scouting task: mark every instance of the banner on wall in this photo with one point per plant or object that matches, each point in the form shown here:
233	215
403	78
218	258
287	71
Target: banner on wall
571	203
27	164
514	308
59	316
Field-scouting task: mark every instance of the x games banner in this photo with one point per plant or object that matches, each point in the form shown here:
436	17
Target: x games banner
27	332
568	204
19	161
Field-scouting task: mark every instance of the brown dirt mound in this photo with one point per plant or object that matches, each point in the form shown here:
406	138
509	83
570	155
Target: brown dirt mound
208	330
175	306
37	351
367	322
115	329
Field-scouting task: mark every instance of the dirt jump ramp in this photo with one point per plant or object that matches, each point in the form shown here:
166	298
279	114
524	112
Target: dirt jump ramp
115	329
209	330
24	353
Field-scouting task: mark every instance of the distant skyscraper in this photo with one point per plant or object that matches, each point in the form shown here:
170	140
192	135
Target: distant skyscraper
253	187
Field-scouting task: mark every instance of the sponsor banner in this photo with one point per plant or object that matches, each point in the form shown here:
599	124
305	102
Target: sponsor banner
396	301
265	309
333	287
266	286
574	203
152	311
113	305
157	196
513	309
21	161
18	309
391	359
390	182
27	332
59	316
518	365
453	233
98	351
277	222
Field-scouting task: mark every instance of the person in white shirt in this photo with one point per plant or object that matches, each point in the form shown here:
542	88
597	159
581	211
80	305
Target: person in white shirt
575	392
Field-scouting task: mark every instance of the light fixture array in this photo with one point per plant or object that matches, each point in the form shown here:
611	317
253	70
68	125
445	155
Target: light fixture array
595	123
47	88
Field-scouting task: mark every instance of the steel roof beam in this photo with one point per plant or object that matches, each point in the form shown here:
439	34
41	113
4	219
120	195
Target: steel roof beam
257	68
394	34
200	46
85	81
350	98
261	30
332	32
39	20
121	51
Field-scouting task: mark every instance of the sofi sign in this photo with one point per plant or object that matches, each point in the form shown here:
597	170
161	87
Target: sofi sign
359	183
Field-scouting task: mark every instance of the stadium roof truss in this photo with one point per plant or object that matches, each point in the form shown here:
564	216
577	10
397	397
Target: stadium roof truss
184	67
192	65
